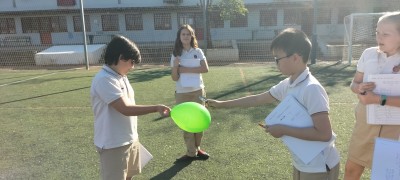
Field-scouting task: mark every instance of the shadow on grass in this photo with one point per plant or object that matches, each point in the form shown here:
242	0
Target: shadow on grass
172	171
44	95
148	75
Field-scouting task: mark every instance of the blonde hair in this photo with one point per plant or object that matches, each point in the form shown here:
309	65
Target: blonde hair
393	17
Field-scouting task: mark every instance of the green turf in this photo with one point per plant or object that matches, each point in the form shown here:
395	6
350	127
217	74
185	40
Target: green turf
47	124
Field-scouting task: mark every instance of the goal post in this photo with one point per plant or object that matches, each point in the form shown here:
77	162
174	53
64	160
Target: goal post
359	34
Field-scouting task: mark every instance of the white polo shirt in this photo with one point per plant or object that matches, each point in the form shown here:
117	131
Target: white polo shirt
373	61
189	82
111	128
310	93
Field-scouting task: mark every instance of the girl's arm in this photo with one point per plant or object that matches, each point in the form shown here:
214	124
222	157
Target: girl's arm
203	68
358	86
175	68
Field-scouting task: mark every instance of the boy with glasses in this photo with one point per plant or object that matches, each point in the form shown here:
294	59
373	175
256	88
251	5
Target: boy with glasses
291	49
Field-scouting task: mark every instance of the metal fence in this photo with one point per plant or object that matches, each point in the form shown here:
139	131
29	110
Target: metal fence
42	33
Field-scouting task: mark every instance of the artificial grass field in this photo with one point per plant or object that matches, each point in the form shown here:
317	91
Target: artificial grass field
47	123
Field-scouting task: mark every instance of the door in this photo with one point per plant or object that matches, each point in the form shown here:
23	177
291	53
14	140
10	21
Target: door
45	30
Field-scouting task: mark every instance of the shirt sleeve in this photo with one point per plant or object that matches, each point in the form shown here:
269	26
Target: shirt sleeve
316	99
278	90
109	89
201	54
172	60
361	62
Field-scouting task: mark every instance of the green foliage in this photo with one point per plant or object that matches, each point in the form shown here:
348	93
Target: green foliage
232	8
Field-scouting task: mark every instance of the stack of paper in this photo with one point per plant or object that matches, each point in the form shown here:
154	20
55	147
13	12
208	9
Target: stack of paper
145	156
290	112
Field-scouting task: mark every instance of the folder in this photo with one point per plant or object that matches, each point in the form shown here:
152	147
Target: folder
291	112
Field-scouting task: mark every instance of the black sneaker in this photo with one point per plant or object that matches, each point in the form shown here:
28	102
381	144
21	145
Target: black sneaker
202	155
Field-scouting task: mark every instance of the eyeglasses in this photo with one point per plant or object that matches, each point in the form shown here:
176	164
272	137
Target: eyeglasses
277	59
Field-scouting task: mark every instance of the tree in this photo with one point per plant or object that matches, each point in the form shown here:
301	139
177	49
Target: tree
232	8
229	10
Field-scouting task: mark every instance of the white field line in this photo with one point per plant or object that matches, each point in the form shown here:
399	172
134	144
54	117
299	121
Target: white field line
15	82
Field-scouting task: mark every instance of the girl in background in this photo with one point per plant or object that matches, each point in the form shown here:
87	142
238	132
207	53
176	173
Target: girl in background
188	63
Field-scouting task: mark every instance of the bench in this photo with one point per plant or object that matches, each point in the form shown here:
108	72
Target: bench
17	41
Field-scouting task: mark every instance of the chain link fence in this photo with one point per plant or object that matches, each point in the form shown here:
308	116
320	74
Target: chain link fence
49	33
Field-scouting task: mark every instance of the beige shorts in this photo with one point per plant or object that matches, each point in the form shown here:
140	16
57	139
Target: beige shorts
121	162
362	141
332	174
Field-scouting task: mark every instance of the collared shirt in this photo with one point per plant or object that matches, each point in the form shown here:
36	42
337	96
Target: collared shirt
189	82
310	93
111	128
372	61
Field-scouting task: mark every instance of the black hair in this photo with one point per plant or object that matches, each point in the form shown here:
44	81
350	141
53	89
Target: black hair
292	41
121	47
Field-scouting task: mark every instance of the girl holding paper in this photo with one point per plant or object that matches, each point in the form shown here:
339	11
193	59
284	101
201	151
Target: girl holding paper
188	63
383	59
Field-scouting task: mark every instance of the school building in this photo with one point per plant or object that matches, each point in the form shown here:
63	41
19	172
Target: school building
155	22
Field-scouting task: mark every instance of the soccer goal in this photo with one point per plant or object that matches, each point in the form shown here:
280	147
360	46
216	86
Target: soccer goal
359	34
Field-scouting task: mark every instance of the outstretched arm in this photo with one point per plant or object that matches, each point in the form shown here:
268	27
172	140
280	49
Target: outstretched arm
247	101
123	106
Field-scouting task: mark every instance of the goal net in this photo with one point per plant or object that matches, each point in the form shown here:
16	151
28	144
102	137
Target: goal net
359	34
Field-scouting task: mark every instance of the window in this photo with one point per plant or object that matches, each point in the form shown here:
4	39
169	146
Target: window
44	24
239	21
110	22
29	25
65	2
292	16
134	22
216	20
162	21
324	16
268	17
58	24
7	26
186	18
78	23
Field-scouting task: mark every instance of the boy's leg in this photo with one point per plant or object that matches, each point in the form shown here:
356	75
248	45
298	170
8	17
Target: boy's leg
353	170
111	165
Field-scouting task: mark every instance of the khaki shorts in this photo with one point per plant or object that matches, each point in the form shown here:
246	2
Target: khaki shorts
331	174
121	162
362	141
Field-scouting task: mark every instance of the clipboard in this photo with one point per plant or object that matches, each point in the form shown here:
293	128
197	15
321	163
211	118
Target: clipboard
292	113
386	160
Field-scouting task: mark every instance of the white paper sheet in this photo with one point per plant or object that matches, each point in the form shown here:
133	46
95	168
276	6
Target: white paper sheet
190	79
387	84
386	160
290	112
145	156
